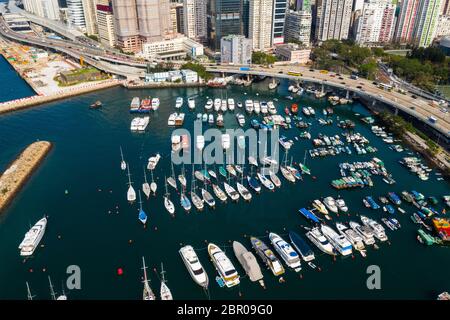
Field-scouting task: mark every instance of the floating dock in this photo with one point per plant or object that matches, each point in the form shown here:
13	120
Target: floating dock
12	180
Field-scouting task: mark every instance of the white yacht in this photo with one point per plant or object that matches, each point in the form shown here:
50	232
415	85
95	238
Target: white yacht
176	143
330	204
191	103
171	120
264	107
377	228
217	104
271	107
339	241
319	240
230	104
155	104
232	193
249	106
32	238
179	102
240	119
340	203
139	123
365	232
285	250
224	267
200	142
194	266
355	239
256	107
209	104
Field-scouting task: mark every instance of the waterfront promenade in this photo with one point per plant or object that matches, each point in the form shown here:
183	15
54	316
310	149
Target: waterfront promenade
20	170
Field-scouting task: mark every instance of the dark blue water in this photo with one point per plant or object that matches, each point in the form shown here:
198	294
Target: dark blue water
85	161
13	86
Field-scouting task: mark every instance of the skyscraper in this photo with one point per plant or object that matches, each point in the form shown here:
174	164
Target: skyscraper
105	23
368	24
224	17
333	19
388	23
90	16
260	24
406	21
126	25
76	14
236	49
195	19
298	26
279	16
426	22
153	19
43	8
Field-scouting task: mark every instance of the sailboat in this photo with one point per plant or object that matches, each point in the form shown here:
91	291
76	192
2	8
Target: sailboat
223	172
153	185
147	293
167	202
294	171
196	200
53	294
145	186
29	295
182	178
171	180
131	194
303	167
123	164
232	193
252	182
166	294
243	191
208	197
185	202
142	215
219	193
287	174
276	181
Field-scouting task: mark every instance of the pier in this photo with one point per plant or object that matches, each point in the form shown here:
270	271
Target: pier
20	170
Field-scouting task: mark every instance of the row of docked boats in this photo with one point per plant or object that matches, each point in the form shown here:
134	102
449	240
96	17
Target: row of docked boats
416	166
145	105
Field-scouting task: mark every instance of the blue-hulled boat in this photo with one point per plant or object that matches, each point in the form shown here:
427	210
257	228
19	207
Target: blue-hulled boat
417	195
255	124
254	184
185	202
309	215
302	246
223	172
372	203
390	209
395	199
142	215
422	215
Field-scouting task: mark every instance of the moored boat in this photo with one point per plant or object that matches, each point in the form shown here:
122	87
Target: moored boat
194	267
248	262
287	253
267	256
224	267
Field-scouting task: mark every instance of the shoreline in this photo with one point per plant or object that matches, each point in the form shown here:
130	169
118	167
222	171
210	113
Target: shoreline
25	79
20	170
162	85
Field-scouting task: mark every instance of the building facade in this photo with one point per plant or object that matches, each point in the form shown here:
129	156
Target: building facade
406	21
126	25
368	23
333	19
236	49
426	22
443	28
224	17
76	14
48	9
172	49
278	20
90	16
105	23
194	12
292	53
153	19
298	26
260	24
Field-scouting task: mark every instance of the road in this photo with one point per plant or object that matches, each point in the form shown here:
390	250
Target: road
418	107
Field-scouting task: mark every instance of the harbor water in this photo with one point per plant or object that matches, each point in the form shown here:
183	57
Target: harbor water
94	227
13	86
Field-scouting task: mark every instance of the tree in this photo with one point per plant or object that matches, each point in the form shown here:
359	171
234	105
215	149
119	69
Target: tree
201	70
259	57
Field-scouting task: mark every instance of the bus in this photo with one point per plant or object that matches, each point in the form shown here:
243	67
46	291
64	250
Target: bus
324	71
385	86
295	74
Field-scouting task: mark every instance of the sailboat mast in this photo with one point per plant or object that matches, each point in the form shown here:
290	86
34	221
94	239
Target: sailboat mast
144	268
145	176
30	297
140	201
162	273
52	292
193	180
121	153
128	170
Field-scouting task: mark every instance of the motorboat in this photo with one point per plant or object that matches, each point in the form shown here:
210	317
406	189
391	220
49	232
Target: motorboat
230	102
191	103
285	250
176	143
330	203
287	174
226	143
200	144
179	102
320	241
208	198
339	241
240	119
223	105
248	262
193	265
217	104
171	120
301	246
32	238
320	207
340	203
355	239
274	178
377	228
153	161
254	184
223	265
267	256
155	104
249	106
243	191
365	232
265	182
209	104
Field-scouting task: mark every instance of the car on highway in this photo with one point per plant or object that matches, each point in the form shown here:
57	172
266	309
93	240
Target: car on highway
359	87
332	75
340	78
280	71
414	96
312	70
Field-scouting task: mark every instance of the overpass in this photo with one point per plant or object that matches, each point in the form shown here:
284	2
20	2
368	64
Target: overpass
419	108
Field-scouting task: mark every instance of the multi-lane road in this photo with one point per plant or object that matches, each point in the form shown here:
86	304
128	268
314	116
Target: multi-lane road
418	107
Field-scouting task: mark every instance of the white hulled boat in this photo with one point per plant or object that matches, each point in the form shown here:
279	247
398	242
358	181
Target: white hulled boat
194	266
320	241
285	250
166	294
32	238
223	265
339	241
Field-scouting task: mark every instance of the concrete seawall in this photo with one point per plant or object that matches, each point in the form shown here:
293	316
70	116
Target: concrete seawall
163	85
19	104
13	179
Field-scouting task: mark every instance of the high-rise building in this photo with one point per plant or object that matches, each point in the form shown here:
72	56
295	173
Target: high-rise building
406	21
333	19
126	25
443	28
368	23
260	24
426	23
445	7
236	49
195	19
153	19
105	23
303	5
76	14
48	9
388	23
224	17
245	9
279	17
173	16
298	26
90	16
